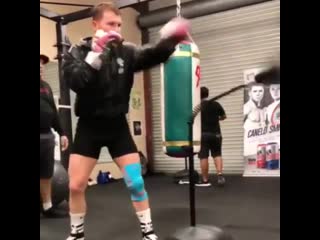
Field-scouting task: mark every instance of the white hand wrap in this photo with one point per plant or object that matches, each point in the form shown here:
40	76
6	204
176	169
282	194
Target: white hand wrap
93	60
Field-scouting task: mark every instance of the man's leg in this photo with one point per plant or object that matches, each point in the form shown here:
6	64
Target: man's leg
85	152
45	193
80	168
130	166
219	168
124	152
47	145
204	165
218	162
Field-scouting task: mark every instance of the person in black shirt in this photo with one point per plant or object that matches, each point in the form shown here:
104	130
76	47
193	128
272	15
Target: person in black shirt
211	139
49	118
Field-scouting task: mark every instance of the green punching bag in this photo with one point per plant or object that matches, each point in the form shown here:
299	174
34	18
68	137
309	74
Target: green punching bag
180	93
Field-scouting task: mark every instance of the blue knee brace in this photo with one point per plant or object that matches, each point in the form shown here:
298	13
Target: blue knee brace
135	183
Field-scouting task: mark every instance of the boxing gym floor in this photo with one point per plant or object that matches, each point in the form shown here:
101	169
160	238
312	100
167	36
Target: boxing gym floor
248	208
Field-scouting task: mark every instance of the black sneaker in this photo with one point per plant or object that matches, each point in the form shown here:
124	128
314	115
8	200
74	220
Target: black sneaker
203	184
53	213
147	232
221	180
183	181
76	236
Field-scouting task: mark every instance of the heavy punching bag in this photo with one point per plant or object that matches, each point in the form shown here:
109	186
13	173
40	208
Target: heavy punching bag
60	184
180	93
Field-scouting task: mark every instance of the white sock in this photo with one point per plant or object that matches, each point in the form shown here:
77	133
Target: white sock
146	224
47	205
144	216
77	222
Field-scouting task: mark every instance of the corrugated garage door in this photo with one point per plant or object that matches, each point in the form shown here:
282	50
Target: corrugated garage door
230	42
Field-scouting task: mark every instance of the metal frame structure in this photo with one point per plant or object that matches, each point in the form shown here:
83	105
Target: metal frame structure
63	46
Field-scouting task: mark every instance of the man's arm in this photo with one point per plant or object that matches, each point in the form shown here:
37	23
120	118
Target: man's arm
149	56
78	73
171	34
222	113
56	124
223	117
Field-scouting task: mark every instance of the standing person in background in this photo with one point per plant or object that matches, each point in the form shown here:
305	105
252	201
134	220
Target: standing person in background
49	118
211	138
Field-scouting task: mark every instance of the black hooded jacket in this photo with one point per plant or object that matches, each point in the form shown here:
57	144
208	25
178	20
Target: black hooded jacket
106	92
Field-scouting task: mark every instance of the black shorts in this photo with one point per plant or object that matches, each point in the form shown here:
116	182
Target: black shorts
210	143
47	145
113	133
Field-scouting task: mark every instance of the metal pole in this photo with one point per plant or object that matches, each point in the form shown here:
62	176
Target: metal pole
65	113
192	196
191	176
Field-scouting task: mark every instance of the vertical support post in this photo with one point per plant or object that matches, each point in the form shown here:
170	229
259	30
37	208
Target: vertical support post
147	98
191	176
65	113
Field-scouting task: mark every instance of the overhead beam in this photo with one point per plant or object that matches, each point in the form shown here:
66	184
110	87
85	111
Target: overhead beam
67	4
48	14
85	13
75	16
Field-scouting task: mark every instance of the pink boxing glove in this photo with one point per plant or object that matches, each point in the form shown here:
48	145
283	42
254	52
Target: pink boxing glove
177	27
101	38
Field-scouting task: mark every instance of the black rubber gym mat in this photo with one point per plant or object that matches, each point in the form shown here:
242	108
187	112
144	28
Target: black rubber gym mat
248	208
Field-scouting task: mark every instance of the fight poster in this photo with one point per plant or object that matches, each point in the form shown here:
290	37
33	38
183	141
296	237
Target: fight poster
261	123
